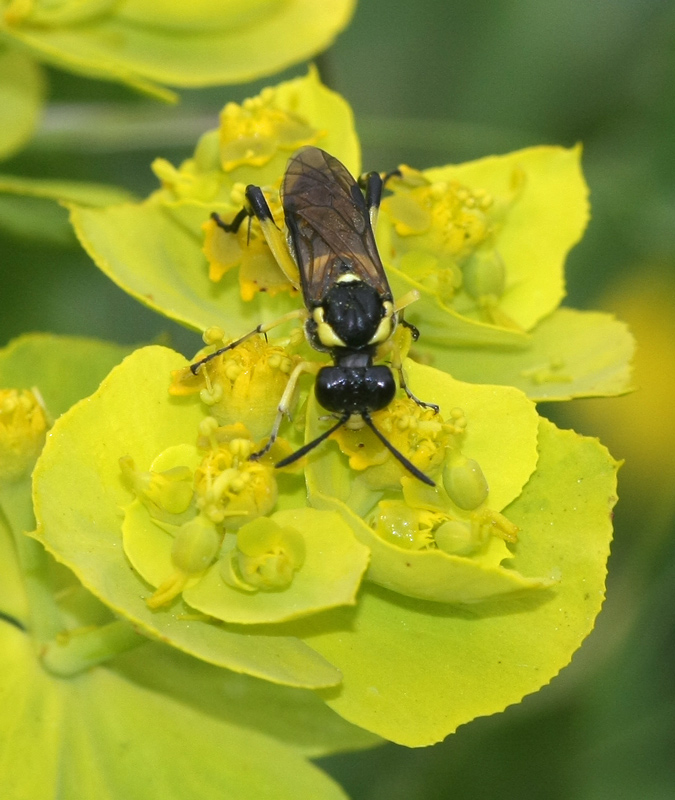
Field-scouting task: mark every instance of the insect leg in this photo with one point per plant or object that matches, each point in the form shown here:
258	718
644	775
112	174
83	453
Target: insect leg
230	227
273	236
373	183
396	453
283	409
298	313
414	331
408	299
397	364
311	445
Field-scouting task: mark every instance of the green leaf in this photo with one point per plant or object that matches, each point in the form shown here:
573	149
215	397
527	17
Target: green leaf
78	490
296	717
399	655
36	219
22	89
103	735
570	354
27	210
204	45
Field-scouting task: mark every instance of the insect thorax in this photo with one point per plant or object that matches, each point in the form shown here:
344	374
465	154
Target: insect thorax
352	315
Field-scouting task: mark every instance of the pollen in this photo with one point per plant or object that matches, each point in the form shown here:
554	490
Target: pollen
23	427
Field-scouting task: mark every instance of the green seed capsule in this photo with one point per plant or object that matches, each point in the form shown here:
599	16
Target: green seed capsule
195	546
457	538
465	483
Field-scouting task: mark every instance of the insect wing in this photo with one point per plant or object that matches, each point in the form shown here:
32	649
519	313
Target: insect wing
329	225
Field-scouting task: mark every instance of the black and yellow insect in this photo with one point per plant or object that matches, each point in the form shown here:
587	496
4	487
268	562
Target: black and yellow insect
331	255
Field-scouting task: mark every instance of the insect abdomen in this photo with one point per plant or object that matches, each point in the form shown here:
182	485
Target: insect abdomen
355	389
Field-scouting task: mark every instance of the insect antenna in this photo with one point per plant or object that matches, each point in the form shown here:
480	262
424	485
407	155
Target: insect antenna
311	445
406	463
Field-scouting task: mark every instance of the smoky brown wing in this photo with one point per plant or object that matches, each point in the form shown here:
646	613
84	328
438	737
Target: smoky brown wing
329	225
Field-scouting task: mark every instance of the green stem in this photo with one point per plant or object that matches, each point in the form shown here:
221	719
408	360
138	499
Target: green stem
45	618
79	650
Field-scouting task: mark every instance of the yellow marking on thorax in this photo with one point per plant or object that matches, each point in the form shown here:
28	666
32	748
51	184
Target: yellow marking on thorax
386	326
324	332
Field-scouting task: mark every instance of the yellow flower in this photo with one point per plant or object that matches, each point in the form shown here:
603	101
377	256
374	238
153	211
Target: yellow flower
243	385
248	250
23	427
165	493
421	435
253	132
232	489
195	546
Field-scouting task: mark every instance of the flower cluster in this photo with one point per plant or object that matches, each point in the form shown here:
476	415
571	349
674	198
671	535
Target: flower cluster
409	607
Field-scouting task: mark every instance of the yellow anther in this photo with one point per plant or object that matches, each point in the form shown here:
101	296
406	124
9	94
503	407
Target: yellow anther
212	396
232	370
208	426
241	448
213	335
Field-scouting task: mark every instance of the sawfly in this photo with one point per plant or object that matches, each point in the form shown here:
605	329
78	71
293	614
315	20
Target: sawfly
331	256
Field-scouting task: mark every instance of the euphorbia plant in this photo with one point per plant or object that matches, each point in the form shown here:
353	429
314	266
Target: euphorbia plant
408	609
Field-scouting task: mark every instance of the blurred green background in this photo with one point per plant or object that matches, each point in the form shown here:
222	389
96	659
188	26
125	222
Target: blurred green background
434	82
